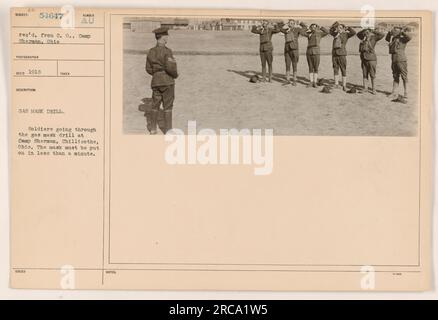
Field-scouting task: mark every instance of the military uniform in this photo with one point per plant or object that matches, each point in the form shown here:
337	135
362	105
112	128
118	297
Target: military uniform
397	46
161	64
339	50
266	47
313	50
291	48
367	52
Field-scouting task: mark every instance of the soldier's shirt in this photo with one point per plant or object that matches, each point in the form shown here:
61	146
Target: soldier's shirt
397	46
265	37
368	44
291	37
314	39
161	64
340	41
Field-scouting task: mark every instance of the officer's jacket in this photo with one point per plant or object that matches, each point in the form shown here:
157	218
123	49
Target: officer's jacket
397	46
265	36
291	38
314	38
367	45
340	41
162	66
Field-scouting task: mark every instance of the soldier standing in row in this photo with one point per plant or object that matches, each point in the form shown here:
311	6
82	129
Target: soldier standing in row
398	38
292	31
314	35
368	57
161	64
266	30
340	34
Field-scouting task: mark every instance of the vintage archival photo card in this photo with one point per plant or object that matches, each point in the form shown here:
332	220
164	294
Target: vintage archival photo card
220	149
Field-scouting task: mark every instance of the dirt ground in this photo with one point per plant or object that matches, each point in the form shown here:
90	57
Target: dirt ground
214	89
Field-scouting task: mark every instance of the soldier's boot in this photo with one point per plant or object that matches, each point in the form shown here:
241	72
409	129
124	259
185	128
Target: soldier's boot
365	85
310	80
294	82
315	80
373	86
393	94
336	77
263	74
405	89
153	124
270	74
167	120
344	83
288	76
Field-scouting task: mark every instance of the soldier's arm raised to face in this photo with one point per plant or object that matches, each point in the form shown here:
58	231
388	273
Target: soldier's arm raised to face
379	35
285	29
361	34
333	28
388	36
405	36
255	29
276	28
351	32
324	31
303	30
333	31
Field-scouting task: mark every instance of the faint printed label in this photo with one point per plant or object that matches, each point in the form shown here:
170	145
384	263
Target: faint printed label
68	18
68	280
368	19
368	280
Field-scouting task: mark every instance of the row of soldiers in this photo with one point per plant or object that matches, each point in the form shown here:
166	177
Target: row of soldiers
161	64
397	38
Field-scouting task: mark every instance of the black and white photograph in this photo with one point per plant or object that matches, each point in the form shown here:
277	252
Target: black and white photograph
296	76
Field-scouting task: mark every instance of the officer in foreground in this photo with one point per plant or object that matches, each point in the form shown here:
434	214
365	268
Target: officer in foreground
161	64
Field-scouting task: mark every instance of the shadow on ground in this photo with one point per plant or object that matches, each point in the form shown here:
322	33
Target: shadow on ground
277	77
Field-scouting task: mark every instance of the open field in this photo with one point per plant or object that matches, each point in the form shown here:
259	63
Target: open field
214	90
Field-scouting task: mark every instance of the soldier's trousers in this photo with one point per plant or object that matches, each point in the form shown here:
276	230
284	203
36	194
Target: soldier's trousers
313	62
399	68
339	62
291	57
369	68
163	95
266	57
